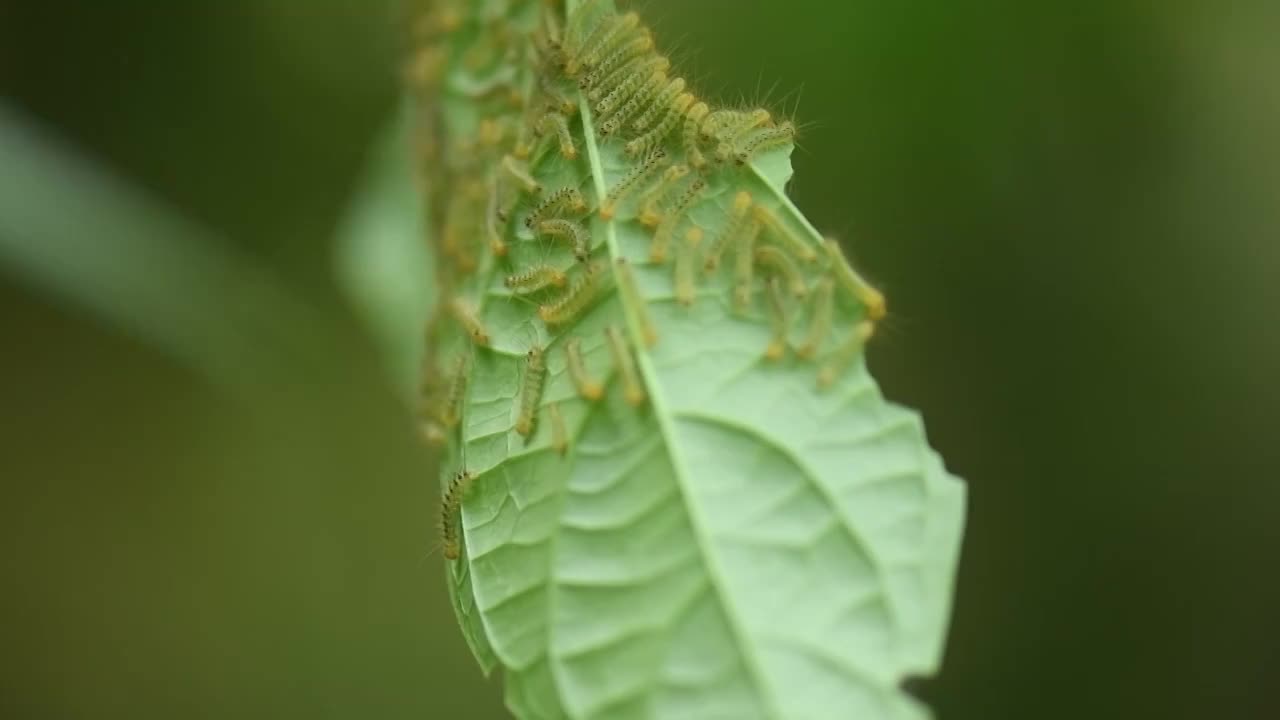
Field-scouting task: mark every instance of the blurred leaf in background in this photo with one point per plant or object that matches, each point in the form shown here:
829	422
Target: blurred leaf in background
1071	204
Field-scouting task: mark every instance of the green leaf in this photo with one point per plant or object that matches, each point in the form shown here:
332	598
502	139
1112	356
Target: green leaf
742	545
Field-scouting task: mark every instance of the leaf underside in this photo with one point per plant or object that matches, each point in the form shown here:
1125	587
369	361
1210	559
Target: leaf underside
741	545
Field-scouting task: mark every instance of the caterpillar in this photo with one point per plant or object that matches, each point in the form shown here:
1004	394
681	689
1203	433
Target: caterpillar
619	85
564	198
661	102
779	321
820	321
518	172
632	388
450	505
615	120
744	268
628	51
845	354
667	228
587	386
497	245
611	30
763	140
659	132
535	279
632	297
560	125
466	317
650	199
732	132
685	277
451	411
559	433
781	263
575	300
777	229
571	231
636	175
692	121
535	374
870	298
733	230
722	125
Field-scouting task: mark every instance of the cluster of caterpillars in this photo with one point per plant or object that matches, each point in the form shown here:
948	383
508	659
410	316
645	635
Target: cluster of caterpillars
600	71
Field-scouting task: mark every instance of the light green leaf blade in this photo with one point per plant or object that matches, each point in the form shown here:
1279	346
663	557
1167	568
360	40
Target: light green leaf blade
742	546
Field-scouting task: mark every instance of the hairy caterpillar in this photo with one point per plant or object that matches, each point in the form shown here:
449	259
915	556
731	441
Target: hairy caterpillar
871	298
571	231
845	354
535	374
763	140
661	103
564	198
602	41
732	231
685	276
632	388
517	171
820	321
732	132
780	230
451	411
636	175
576	299
559	433
560	125
587	386
625	80
667	228
650	214
535	279
450	505
782	264
647	89
723	125
466	317
631	295
692	121
629	50
659	132
779	321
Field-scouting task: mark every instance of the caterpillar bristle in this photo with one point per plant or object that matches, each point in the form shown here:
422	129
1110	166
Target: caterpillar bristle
763	140
569	199
578	236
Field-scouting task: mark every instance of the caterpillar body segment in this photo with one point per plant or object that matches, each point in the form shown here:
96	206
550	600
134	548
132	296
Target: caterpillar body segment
535	375
738	216
559	431
763	140
636	47
613	29
632	388
588	387
467	318
844	355
744	268
580	295
456	392
686	277
634	177
775	228
518	172
616	119
671	219
535	279
553	124
626	79
662	102
658	133
862	291
692	122
569	199
450	505
652	197
820	319
779	321
781	263
578	236
632	297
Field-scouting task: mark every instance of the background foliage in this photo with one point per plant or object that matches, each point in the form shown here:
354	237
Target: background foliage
1071	205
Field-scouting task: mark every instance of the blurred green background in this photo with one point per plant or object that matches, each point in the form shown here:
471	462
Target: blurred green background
1073	207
